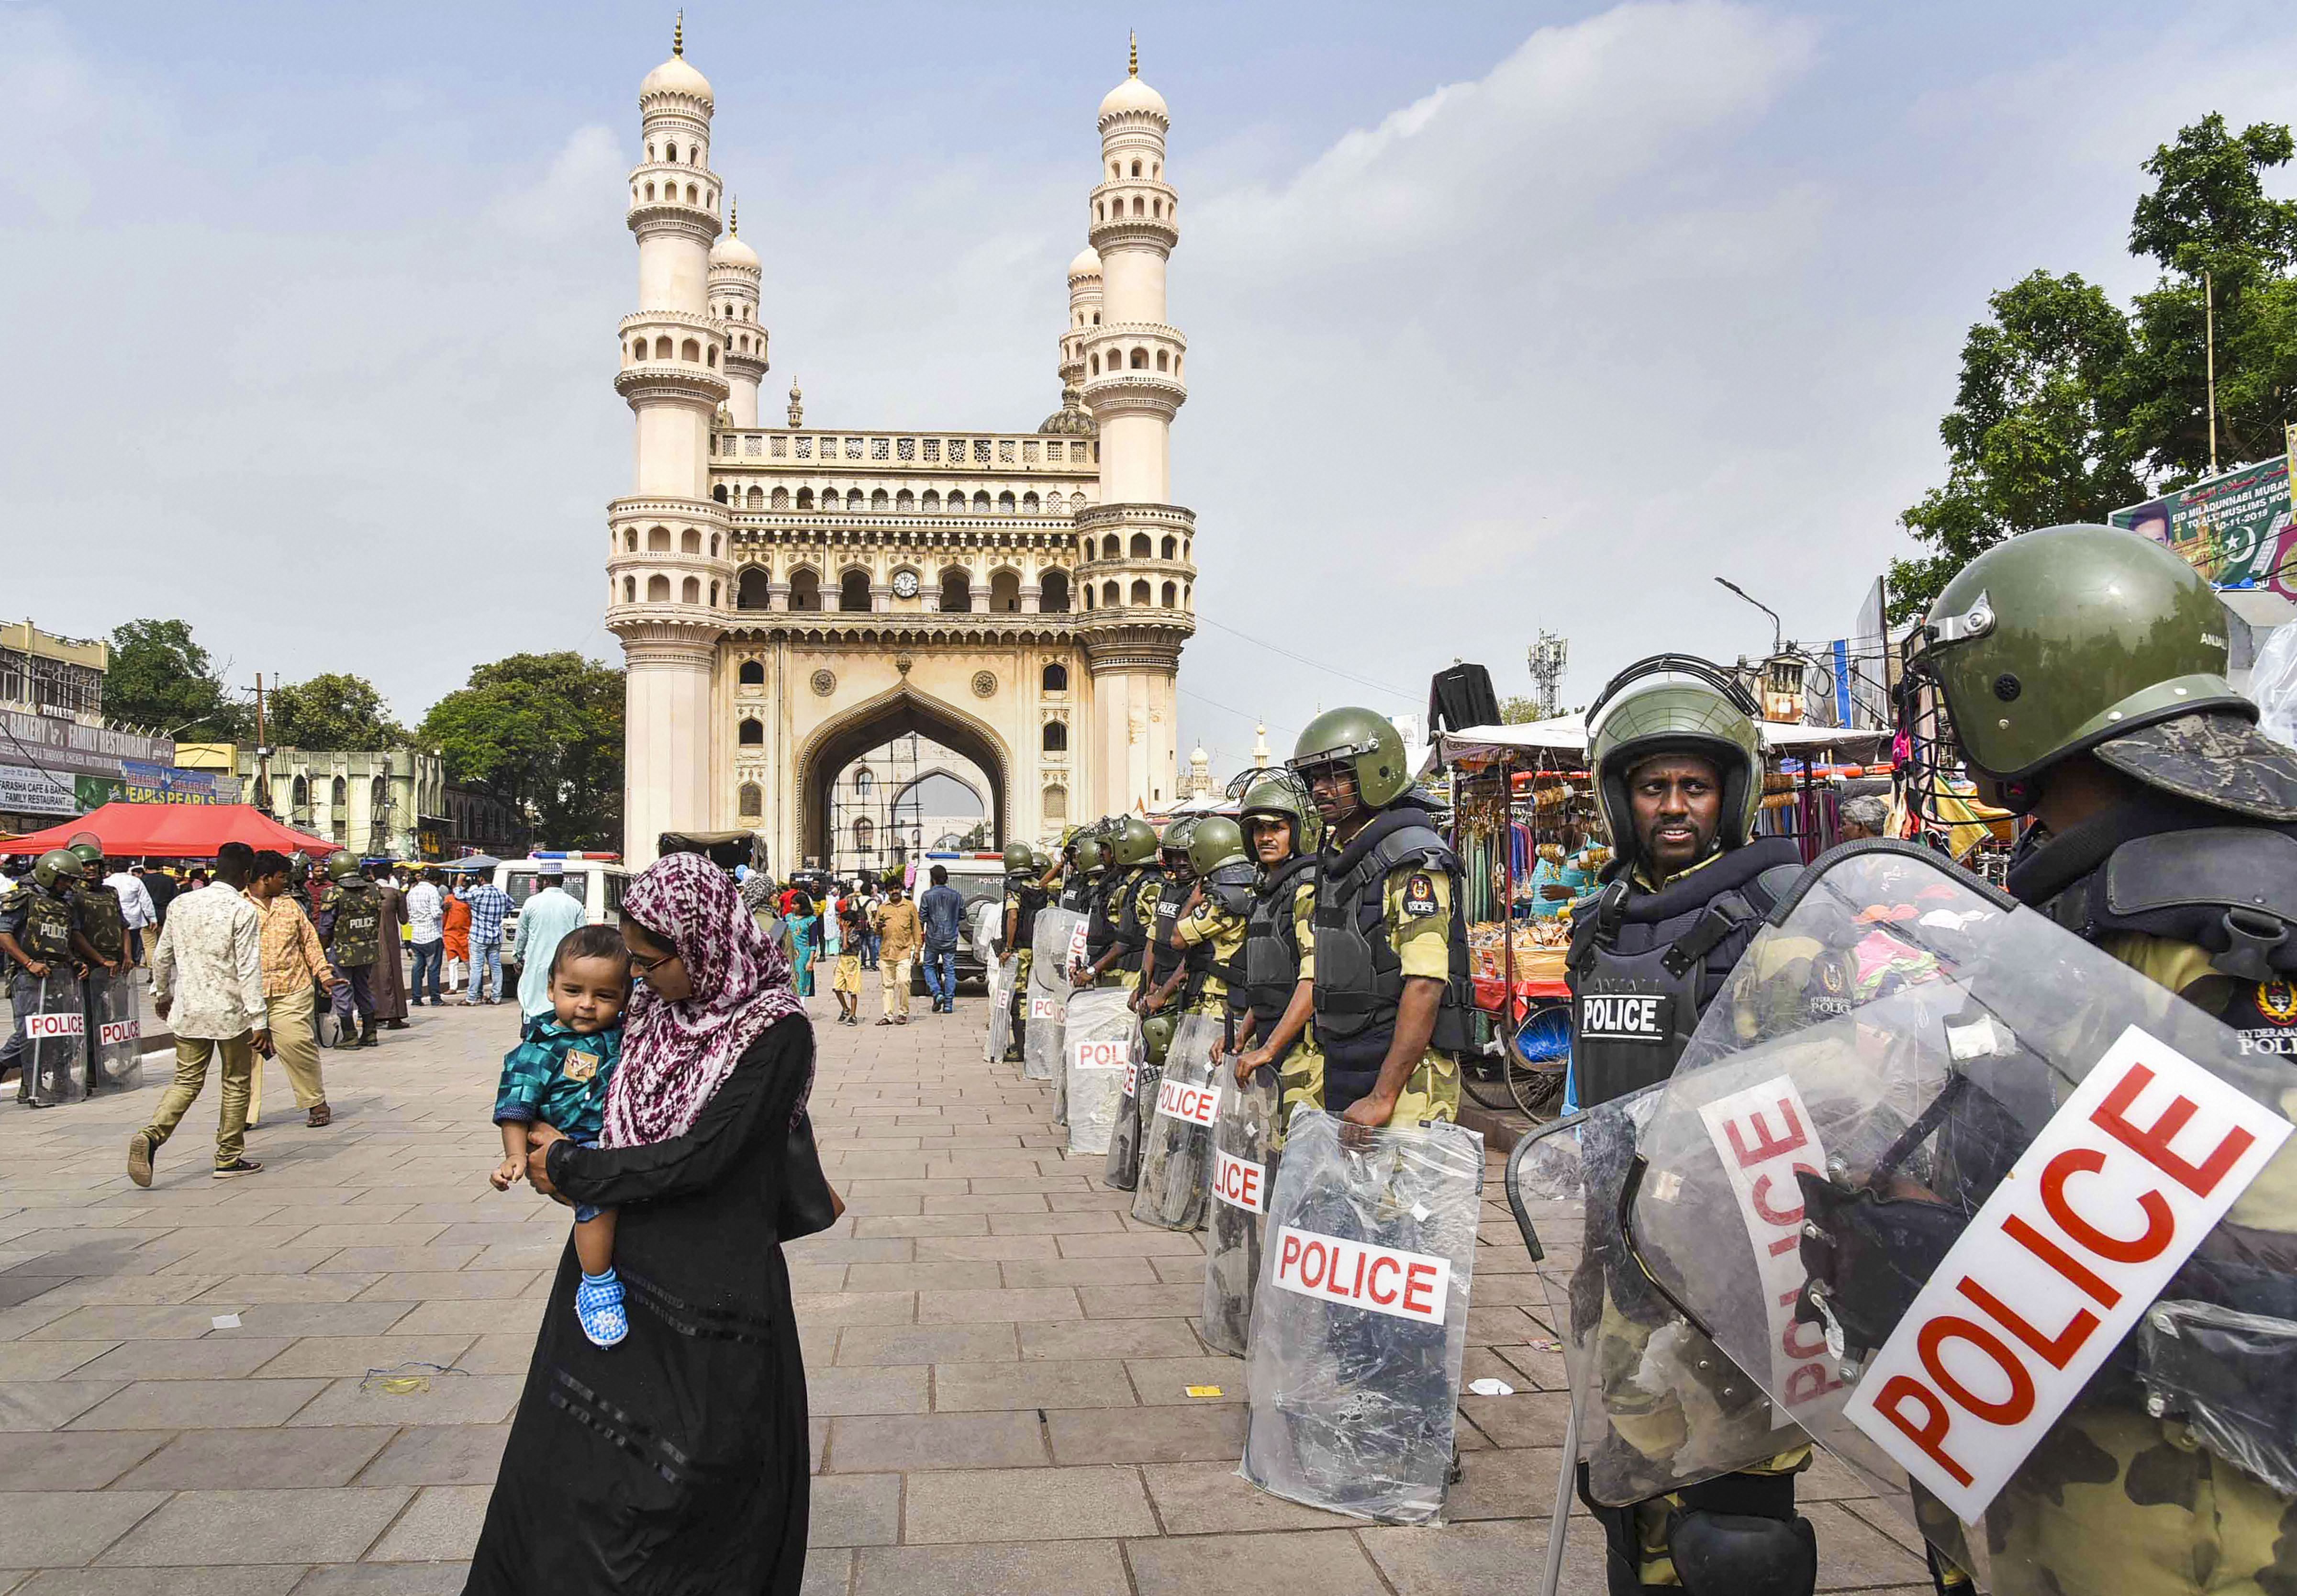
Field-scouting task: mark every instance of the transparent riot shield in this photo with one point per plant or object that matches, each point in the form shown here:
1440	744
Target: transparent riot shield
1360	1318
2003	1224
1123	1170
1236	1221
55	1060
1097	1036
1049	993
1002	973
116	1047
1176	1141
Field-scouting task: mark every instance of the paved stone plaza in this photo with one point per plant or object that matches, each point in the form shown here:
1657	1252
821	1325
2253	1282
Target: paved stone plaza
998	1358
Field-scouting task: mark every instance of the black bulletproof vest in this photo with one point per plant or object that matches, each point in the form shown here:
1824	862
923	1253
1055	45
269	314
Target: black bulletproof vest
1098	932
1359	975
1643	966
1131	936
1271	952
1028	899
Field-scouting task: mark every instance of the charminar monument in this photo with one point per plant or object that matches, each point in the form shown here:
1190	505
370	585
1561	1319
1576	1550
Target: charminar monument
791	596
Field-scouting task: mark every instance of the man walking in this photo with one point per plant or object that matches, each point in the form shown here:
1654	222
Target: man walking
350	928
551	911
896	925
294	966
136	907
207	981
426	934
941	911
489	906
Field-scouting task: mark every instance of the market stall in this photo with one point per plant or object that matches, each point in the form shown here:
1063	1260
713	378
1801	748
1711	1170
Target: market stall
173	831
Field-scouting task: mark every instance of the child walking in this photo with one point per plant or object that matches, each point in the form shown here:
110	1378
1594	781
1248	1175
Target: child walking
558	1075
846	983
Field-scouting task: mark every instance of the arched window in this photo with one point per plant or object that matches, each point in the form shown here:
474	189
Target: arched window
805	589
303	793
711	358
931	502
657	590
670	153
1170	595
1136	169
1055	678
853	500
1028	504
718	492
662	348
1005	502
378	795
805	498
658	537
1140	359
752	800
629	589
1108	547
1141	593
713	539
1108	595
1166	548
1095	363
1057	736
689	542
853	590
1140	545
1053	595
753	591
781	498
713	596
1088	596
755	498
1005	593
337	794
1076	500
956	590
753	673
865	836
881	501
751	733
631	540
1138	209
1056	806
905	501
863	780
690	351
689	591
1160	360
981	504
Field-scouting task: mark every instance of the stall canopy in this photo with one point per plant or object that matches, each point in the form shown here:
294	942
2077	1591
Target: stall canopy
1568	735
174	831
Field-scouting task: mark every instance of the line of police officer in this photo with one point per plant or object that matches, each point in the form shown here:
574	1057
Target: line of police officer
64	922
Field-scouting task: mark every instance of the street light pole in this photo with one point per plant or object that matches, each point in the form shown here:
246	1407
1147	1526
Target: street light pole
1778	628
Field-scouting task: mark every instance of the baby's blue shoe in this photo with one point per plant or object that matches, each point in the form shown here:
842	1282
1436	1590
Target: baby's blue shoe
598	1305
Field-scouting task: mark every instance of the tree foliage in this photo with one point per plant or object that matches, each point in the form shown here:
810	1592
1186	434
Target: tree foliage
159	678
2069	407
330	713
543	731
1518	711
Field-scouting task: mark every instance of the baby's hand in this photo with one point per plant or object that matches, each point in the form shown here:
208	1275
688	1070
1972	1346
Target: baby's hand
507	1174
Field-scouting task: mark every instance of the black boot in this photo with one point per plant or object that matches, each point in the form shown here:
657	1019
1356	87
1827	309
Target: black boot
346	1034
366	1034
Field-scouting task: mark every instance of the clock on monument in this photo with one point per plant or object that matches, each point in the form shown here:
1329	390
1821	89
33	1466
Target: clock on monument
905	584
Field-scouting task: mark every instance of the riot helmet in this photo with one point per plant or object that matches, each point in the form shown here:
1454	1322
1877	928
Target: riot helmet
1039	862
2075	639
298	866
1134	842
89	852
1215	841
1278	795
1674	703
1362	743
1017	858
55	867
1091	855
342	868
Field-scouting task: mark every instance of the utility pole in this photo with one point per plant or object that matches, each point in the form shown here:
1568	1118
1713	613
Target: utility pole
2209	358
262	750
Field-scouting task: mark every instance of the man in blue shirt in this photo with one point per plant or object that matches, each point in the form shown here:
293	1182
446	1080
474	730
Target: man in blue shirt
942	912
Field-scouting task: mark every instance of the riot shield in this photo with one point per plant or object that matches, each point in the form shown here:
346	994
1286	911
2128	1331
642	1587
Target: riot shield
1001	977
55	1060
1123	1171
116	1046
1240	1207
1048	992
1928	1166
1177	1142
1097	1038
1360	1318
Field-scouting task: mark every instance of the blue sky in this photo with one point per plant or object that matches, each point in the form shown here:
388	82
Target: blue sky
1500	318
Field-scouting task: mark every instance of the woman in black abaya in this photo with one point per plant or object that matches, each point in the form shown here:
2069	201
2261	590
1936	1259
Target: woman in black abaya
675	1462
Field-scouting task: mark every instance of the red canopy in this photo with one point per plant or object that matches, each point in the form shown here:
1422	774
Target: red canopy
174	831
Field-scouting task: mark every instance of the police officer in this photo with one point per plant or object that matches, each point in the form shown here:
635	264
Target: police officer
1024	897
1209	934
1116	927
2082	670
101	921
1088	863
1272	1002
42	938
1675	758
1384	948
350	928
1163	960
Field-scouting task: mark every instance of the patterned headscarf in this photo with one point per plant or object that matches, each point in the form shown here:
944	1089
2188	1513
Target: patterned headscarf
675	1056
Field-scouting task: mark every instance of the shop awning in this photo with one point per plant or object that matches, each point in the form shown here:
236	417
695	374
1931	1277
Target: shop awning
1568	735
174	831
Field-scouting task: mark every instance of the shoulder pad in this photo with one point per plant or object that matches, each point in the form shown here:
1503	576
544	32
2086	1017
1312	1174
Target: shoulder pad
15	899
2235	866
1771	888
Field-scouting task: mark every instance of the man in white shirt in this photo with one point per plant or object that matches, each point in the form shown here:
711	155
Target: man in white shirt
207	981
549	912
426	934
135	908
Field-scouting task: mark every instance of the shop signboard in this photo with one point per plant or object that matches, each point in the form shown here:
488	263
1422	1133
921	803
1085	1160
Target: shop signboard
2233	528
66	746
25	791
170	784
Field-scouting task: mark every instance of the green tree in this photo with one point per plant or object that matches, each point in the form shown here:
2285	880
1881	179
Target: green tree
2209	216
331	713
543	731
2036	437
1516	712
159	678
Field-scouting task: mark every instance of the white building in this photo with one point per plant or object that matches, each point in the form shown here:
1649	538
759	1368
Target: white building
791	597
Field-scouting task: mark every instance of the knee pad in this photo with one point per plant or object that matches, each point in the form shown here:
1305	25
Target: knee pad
1740	1554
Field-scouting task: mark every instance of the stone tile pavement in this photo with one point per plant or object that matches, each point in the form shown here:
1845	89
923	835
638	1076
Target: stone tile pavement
997	1357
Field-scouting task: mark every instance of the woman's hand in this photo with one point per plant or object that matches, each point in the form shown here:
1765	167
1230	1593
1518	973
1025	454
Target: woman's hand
538	1158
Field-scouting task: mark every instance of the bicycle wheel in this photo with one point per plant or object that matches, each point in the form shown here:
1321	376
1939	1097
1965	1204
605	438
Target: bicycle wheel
1538	1055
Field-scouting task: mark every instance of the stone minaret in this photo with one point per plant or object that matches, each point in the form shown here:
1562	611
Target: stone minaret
667	566
1136	571
734	278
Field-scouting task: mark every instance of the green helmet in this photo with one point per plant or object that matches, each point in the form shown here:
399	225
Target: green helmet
298	866
1366	744
88	848
2054	642
1039	862
1177	834
56	867
1157	1035
1279	797
342	867
1675	703
1091	855
1133	843
1017	858
1216	841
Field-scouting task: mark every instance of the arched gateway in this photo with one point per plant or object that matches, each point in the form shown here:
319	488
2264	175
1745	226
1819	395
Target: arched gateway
838	743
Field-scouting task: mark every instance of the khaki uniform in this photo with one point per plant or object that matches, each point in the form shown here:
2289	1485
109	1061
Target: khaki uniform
1209	923
1416	912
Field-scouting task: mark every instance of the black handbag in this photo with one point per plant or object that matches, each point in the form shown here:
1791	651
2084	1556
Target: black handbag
808	1204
